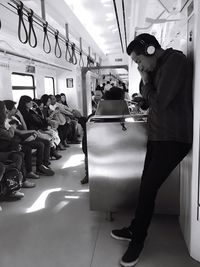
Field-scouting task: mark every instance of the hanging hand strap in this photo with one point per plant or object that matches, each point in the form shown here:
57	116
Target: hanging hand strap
21	24
68	54
31	31
90	61
73	58
57	49
46	39
81	61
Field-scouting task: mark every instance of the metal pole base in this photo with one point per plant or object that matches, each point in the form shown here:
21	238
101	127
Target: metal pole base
109	216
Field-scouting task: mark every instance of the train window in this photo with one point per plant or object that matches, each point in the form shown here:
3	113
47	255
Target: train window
49	85
22	84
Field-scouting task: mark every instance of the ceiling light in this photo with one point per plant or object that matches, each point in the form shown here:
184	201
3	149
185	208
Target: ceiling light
114	30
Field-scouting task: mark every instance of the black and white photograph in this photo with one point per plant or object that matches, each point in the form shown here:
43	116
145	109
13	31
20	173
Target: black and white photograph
100	133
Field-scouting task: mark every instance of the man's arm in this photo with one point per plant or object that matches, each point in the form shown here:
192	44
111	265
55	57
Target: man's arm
169	84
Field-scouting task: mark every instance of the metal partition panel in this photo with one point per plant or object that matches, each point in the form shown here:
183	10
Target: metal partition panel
115	161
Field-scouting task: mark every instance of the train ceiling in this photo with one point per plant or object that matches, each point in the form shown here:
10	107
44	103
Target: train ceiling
108	22
107	26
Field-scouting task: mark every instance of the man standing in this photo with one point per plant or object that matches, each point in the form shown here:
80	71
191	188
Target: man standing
166	85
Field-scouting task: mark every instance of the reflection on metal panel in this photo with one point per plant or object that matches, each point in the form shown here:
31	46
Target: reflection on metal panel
115	161
112	107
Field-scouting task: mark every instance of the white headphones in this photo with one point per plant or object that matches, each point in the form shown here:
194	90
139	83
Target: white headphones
149	49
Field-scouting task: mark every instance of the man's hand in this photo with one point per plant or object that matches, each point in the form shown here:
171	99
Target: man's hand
144	75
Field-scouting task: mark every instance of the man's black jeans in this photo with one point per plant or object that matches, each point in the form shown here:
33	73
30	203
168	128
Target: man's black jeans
161	158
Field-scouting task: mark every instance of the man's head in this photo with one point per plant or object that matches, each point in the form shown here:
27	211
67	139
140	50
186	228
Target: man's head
143	51
115	93
97	95
53	100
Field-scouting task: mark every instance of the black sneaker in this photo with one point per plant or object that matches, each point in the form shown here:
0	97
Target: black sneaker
131	256
85	180
122	234
43	170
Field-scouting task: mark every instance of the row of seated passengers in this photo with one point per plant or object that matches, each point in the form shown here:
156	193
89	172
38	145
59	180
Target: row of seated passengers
43	125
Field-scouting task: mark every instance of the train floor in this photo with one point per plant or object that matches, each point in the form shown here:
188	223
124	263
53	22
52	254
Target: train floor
52	226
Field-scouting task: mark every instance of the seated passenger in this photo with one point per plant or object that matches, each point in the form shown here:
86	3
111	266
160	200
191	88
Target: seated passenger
44	130
76	114
95	100
56	120
72	124
42	145
10	149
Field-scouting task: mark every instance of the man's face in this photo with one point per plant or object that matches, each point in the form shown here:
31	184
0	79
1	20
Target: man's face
53	100
98	95
145	63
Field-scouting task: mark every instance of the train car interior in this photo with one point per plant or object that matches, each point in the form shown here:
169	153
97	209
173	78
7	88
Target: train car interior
81	146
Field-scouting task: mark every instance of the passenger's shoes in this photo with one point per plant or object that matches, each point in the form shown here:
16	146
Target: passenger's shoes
28	184
131	256
65	144
55	155
74	141
61	147
122	234
43	170
32	175
15	196
85	180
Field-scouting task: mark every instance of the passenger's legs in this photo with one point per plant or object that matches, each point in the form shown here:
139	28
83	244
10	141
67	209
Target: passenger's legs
85	180
46	151
161	159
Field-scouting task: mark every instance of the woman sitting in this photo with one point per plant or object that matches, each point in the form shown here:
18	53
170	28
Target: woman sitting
42	145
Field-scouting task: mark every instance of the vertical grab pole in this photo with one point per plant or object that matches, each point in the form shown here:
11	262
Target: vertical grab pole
67	31
43	10
80	42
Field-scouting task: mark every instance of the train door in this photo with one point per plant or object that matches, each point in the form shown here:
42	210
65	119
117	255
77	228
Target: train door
190	167
89	83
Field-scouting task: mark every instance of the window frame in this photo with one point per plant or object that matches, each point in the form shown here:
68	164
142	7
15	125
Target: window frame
54	91
21	87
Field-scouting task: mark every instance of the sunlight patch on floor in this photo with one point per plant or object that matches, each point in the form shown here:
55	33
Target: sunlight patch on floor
73	161
83	190
40	201
72	197
60	206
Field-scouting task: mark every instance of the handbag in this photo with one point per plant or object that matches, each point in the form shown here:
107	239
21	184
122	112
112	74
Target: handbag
11	181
